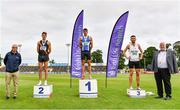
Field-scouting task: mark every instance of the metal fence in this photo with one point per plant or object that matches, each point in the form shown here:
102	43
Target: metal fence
55	69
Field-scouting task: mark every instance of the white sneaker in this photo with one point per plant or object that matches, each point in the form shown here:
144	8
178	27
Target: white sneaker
40	83
45	83
131	88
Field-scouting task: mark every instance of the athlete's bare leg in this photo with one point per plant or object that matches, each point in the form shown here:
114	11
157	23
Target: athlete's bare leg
131	70
83	69
46	70
89	69
138	78
40	64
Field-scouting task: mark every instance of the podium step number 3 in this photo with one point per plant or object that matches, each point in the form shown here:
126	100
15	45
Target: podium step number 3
43	91
88	88
136	93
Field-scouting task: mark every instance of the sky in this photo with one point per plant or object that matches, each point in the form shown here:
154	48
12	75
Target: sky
23	21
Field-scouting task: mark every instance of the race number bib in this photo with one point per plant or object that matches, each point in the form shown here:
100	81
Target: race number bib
43	48
134	55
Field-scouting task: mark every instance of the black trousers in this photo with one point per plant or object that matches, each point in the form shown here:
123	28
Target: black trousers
163	76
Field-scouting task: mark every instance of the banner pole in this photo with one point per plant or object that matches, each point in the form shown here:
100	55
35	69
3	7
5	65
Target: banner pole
106	81
70	81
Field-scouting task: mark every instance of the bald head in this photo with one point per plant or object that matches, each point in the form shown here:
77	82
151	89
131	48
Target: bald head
162	46
14	45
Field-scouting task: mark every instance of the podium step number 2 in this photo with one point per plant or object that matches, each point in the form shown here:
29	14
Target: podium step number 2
43	91
88	88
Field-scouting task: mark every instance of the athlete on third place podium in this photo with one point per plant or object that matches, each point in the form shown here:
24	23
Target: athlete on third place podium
135	55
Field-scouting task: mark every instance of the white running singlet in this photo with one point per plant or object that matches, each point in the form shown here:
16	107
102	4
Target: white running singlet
134	52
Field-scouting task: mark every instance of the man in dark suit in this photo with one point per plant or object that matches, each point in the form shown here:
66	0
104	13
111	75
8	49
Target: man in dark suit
164	64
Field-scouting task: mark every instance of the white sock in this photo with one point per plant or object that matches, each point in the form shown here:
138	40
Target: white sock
45	82
131	87
39	82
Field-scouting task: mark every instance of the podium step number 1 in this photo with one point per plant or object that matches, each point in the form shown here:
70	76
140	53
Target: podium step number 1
43	91
88	88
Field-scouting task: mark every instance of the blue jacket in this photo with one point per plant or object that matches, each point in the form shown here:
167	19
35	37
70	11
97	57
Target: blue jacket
12	62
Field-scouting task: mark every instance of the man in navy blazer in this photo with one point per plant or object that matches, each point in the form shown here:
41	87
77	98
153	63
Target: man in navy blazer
12	61
164	64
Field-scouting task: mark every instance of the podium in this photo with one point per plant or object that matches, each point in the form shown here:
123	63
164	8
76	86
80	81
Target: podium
43	91
88	88
136	93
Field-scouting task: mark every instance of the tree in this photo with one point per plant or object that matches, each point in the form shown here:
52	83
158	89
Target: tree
148	56
97	56
168	45
1	60
176	47
121	62
52	61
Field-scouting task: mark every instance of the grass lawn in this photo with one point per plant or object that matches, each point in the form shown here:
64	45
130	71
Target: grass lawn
113	97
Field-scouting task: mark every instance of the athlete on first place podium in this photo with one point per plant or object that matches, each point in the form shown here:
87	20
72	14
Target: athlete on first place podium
87	87
86	45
